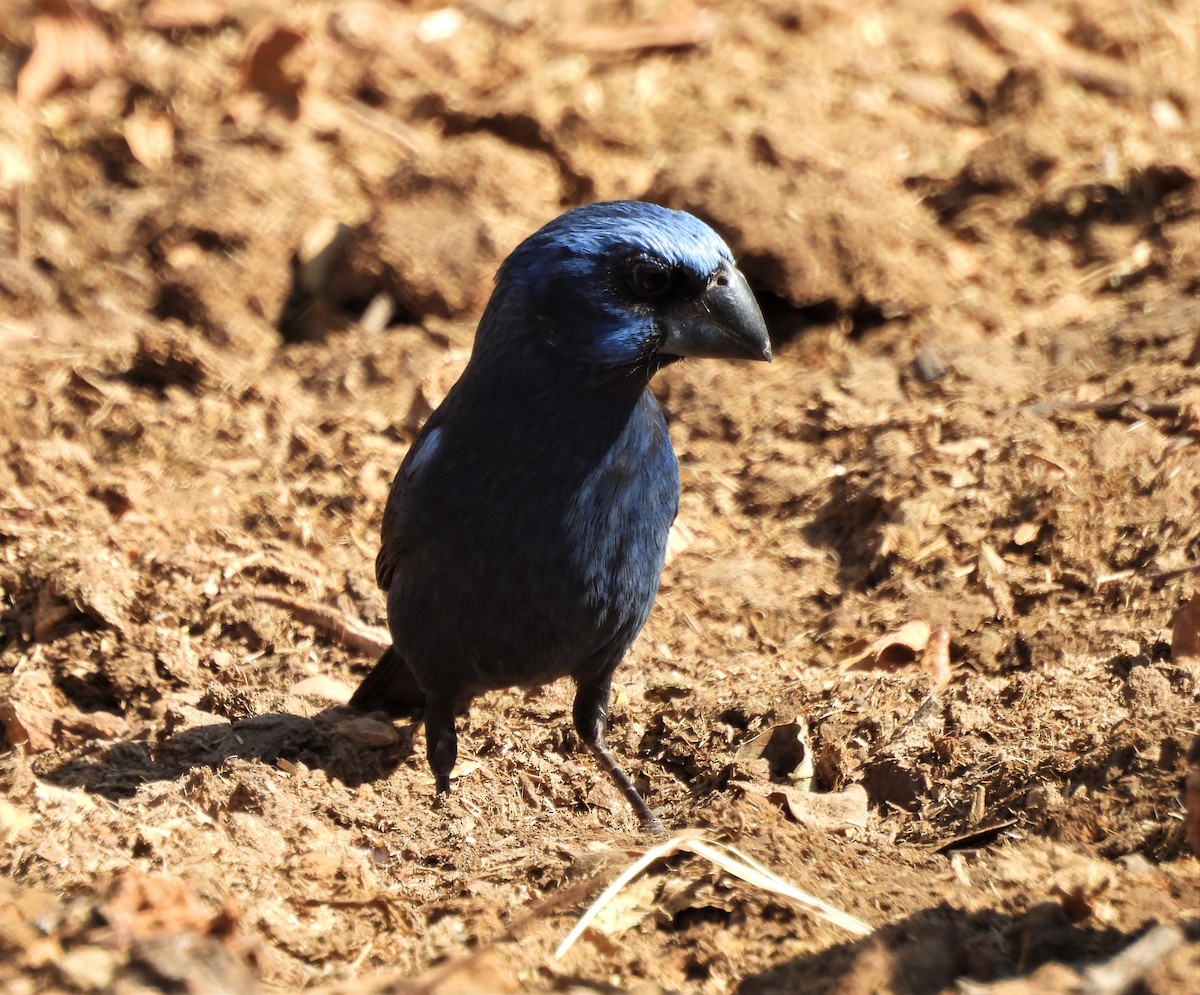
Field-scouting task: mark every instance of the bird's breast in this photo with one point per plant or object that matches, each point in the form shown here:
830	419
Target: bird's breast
545	557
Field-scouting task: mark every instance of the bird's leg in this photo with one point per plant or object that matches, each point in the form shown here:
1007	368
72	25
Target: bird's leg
441	741
591	719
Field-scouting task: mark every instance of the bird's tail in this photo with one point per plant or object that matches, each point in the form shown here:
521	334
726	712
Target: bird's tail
390	687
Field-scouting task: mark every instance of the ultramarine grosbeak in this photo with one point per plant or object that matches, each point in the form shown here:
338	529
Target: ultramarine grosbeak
525	533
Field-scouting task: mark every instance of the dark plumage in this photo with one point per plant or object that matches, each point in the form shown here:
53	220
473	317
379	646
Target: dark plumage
526	528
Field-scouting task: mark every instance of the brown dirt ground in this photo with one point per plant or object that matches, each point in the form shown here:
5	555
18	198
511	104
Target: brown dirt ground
242	249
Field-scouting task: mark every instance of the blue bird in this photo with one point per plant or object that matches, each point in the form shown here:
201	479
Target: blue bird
525	532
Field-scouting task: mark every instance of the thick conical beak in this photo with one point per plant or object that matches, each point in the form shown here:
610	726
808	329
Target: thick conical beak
723	323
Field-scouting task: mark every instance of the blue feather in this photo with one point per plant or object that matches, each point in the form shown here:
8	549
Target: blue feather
526	530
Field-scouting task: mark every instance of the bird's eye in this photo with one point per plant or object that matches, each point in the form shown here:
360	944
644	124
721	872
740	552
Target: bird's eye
649	277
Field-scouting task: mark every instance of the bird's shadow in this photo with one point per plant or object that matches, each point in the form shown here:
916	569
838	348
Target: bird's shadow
170	751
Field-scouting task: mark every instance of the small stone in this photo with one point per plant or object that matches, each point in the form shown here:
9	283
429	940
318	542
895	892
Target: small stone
929	365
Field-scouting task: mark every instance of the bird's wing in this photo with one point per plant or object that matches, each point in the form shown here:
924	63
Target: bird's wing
396	526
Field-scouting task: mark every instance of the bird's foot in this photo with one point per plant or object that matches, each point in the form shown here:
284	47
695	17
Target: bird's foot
651	825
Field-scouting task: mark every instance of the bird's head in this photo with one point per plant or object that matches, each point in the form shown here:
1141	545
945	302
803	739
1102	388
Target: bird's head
626	286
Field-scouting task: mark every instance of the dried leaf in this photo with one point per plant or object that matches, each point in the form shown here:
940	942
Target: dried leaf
150	137
894	649
935	661
1049	464
1185	633
68	47
833	811
785	747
